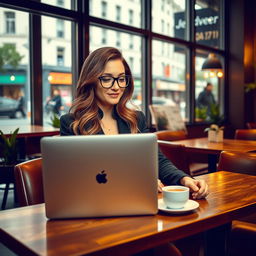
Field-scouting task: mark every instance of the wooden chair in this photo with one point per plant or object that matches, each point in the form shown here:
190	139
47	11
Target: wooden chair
195	168
244	230
29	182
251	125
171	135
176	153
237	162
245	134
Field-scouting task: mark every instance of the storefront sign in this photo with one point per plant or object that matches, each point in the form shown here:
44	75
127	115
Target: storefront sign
12	79
169	86
207	26
60	78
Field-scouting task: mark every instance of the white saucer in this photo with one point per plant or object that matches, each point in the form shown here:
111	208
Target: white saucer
189	206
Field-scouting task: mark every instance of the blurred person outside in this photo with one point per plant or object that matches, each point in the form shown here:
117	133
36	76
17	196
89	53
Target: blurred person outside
206	98
21	105
54	104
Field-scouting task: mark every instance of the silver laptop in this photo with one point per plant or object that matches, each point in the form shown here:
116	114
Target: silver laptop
100	175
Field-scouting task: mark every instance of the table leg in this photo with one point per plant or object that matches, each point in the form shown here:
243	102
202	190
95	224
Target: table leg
212	163
22	148
216	241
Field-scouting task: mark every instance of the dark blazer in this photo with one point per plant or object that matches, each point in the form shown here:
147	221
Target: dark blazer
168	173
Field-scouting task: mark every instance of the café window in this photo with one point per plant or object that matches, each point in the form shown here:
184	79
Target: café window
57	76
208	89
10	22
15	100
169	81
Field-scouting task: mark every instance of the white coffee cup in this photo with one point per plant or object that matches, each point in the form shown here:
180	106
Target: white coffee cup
175	197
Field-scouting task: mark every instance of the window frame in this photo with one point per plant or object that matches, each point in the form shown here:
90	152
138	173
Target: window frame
79	15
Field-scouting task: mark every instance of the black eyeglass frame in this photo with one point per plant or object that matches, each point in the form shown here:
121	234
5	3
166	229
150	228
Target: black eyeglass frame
115	79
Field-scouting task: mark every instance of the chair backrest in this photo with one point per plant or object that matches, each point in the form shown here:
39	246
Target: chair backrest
251	125
176	153
171	135
29	182
237	162
245	134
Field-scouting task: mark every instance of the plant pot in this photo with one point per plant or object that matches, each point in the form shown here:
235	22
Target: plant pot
7	174
215	136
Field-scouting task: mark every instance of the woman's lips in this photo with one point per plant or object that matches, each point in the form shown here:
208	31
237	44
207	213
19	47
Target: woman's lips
113	95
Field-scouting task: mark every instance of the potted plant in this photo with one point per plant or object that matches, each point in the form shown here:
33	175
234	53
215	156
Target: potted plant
214	116
201	113
8	146
55	120
215	133
9	154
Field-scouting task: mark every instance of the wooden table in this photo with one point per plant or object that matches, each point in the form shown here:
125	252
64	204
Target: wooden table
213	149
30	130
27	231
29	137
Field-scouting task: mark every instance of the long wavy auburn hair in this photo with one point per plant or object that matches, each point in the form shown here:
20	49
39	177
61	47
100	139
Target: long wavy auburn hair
84	108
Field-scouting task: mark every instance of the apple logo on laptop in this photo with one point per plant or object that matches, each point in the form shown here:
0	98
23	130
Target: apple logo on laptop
101	177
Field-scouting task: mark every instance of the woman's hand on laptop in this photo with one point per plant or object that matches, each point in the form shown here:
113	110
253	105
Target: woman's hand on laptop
199	188
160	185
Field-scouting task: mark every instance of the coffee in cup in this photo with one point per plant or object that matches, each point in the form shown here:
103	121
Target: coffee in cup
175	197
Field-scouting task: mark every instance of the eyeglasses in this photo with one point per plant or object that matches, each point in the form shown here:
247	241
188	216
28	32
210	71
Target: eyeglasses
108	81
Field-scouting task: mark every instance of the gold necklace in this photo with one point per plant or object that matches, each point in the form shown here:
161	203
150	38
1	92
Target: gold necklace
106	129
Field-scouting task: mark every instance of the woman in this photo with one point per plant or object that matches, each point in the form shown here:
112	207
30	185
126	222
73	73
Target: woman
104	87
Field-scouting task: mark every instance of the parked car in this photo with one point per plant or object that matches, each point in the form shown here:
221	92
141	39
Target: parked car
155	100
9	107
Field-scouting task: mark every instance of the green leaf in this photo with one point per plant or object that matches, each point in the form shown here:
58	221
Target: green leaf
55	120
8	146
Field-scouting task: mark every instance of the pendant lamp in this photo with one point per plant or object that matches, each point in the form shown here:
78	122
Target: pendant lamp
212	66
